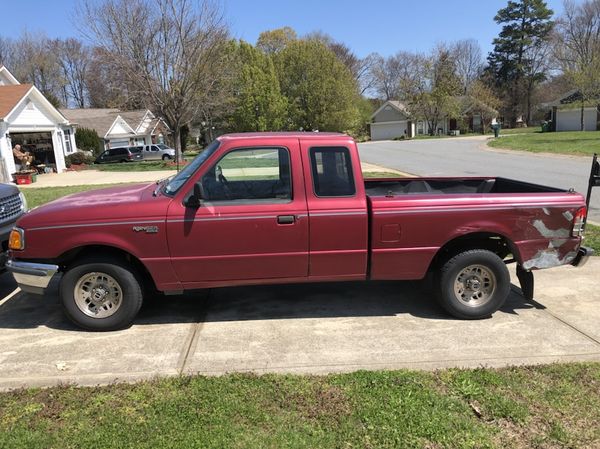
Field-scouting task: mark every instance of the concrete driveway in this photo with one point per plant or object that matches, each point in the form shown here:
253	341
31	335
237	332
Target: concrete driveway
470	156
317	329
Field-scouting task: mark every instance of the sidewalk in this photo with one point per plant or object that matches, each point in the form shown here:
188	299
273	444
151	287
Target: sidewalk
95	177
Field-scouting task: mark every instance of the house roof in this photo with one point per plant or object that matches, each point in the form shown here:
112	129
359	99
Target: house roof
398	105
11	96
8	76
103	120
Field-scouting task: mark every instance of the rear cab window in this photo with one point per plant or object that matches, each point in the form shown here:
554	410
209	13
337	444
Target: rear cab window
332	174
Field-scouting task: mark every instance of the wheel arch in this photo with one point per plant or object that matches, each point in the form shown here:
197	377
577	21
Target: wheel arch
105	251
495	242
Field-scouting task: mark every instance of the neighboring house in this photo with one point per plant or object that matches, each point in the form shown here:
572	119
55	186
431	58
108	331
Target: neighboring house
120	128
565	113
29	119
393	119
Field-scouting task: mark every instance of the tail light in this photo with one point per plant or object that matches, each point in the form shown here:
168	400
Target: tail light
579	222
130	156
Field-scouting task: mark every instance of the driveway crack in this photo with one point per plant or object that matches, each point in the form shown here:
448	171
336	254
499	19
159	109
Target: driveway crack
192	339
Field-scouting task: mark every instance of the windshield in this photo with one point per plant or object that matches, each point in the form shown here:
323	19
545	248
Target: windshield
180	178
162	146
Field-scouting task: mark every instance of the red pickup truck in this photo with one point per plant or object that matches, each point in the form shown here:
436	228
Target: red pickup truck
268	208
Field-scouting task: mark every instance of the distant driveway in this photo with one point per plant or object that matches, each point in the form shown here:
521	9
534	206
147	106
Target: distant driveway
470	157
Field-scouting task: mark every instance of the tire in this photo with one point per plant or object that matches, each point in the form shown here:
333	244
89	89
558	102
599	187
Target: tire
166	157
473	284
115	285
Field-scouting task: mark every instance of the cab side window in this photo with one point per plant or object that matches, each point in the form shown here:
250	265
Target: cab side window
250	175
332	171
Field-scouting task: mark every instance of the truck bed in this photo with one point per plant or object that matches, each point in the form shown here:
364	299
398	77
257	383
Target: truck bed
411	219
419	186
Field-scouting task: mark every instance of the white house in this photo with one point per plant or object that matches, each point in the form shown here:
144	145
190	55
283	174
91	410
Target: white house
29	119
393	120
120	128
565	113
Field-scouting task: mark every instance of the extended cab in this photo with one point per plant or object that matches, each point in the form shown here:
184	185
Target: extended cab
270	208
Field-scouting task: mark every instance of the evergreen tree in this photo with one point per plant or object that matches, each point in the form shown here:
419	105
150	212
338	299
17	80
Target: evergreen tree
515	60
87	139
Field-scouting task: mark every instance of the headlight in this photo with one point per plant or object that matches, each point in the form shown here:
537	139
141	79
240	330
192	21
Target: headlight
16	239
23	202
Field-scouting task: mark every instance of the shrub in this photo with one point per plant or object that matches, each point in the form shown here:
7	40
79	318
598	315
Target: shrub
88	140
78	158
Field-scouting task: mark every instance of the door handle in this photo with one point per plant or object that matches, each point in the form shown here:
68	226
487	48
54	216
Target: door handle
286	219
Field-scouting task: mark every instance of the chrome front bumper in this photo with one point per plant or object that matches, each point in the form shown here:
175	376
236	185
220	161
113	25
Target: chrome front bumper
32	277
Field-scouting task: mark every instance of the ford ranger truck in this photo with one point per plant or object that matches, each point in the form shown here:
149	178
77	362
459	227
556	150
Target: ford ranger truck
274	208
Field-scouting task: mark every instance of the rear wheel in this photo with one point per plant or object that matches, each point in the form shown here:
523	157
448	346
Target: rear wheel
473	284
101	295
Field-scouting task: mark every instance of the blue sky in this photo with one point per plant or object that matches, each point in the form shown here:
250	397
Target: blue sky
383	26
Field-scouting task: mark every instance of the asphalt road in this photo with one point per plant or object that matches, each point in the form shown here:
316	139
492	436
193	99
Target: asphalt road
320	328
471	157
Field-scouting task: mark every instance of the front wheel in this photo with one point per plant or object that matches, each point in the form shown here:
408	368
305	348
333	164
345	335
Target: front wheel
166	157
101	295
473	284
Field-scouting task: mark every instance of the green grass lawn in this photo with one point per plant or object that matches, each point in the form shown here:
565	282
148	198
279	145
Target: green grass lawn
592	238
572	142
135	166
528	130
545	406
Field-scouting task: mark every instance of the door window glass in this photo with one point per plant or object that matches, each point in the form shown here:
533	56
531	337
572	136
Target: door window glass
250	175
332	171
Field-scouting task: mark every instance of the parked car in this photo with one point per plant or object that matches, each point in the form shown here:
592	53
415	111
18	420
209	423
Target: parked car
121	154
12	206
158	151
274	208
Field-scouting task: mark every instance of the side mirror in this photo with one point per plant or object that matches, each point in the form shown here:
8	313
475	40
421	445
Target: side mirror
195	199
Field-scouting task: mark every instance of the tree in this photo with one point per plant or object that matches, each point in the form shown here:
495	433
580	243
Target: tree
526	27
321	92
34	62
274	41
468	62
482	100
431	89
577	48
73	59
88	140
259	105
360	68
169	51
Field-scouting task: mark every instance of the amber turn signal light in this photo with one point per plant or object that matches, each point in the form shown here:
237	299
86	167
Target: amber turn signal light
16	240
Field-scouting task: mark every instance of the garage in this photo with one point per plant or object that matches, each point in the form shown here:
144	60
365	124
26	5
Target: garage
389	130
40	146
28	119
391	121
570	119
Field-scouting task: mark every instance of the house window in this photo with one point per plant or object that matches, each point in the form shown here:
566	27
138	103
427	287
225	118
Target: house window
67	133
420	128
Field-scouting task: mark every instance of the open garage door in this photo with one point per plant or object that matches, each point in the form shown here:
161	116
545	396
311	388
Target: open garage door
39	145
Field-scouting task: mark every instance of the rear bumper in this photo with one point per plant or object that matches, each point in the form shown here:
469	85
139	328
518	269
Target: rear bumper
32	277
582	257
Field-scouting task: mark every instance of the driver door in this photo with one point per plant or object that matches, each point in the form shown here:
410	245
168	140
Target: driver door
252	223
